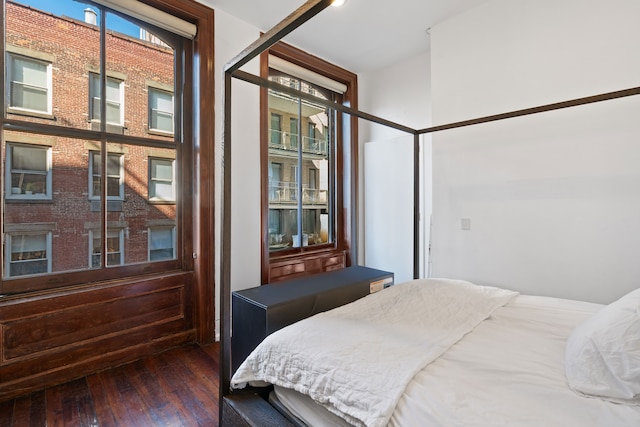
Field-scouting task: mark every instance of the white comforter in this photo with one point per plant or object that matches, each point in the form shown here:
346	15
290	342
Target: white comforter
347	372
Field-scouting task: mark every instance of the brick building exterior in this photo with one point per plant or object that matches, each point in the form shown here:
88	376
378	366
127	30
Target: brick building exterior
51	183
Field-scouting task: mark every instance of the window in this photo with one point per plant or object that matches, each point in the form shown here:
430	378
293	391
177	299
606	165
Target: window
303	168
88	170
28	253
115	178
160	111
161	243
293	133
29	83
161	180
28	172
115	100
275	131
115	251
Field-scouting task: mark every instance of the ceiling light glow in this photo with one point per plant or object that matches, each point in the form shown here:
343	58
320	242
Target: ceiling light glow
338	3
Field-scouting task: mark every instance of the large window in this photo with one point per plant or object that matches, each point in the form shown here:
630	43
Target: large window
299	172
304	145
93	145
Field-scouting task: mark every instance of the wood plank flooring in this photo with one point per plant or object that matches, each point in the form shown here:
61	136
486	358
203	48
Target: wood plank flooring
176	388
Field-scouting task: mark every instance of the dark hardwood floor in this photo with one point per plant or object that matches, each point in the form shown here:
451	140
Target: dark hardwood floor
176	388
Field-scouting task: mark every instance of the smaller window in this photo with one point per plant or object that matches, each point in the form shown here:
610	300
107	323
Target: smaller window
162	243
115	176
115	100
28	172
293	133
161	180
115	248
29	253
29	84
160	111
276	137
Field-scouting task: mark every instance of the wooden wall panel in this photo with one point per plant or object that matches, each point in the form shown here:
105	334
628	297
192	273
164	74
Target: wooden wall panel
49	338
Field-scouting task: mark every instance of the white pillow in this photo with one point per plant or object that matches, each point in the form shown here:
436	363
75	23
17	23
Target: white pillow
602	357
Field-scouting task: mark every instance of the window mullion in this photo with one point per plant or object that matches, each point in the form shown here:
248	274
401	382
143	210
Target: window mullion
299	170
103	141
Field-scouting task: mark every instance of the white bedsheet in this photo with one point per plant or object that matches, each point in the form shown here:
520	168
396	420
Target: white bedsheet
510	372
406	326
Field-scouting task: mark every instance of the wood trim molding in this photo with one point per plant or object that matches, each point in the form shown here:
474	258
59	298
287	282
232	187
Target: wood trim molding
346	159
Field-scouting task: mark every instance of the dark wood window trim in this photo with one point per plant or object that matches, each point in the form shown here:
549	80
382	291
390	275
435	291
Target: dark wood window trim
296	263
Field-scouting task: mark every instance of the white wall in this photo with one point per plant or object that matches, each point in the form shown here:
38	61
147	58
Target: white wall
553	199
399	93
231	37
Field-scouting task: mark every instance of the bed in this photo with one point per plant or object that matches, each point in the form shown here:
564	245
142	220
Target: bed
437	352
517	360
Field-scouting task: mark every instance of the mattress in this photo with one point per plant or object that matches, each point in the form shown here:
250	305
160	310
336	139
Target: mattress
509	371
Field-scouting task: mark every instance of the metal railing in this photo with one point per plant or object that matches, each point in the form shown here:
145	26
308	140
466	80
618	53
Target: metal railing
288	141
287	192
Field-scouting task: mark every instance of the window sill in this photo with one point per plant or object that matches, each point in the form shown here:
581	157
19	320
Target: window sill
14	200
160	133
28	113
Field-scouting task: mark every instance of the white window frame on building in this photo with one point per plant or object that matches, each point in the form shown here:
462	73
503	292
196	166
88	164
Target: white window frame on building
12	240
27	189
93	195
160	109
155	181
154	249
111	233
13	59
112	99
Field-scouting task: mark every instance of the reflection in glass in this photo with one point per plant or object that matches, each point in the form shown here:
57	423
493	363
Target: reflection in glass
299	177
57	217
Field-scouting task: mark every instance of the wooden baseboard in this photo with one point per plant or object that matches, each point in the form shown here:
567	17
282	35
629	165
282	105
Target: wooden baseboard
53	338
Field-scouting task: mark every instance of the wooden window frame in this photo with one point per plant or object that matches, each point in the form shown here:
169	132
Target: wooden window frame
346	160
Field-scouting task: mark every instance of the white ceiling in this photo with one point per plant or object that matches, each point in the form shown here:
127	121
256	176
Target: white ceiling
362	35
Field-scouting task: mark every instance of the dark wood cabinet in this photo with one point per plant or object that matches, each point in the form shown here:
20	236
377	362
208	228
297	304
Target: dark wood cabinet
260	311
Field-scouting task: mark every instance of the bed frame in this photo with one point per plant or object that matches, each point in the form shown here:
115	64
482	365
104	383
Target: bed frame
250	408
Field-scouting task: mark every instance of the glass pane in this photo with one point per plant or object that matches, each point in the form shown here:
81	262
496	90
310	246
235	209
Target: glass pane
161	186
29	97
114	248
160	244
115	174
315	175
52	236
299	168
50	74
283	167
28	246
145	73
132	213
32	73
29	158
